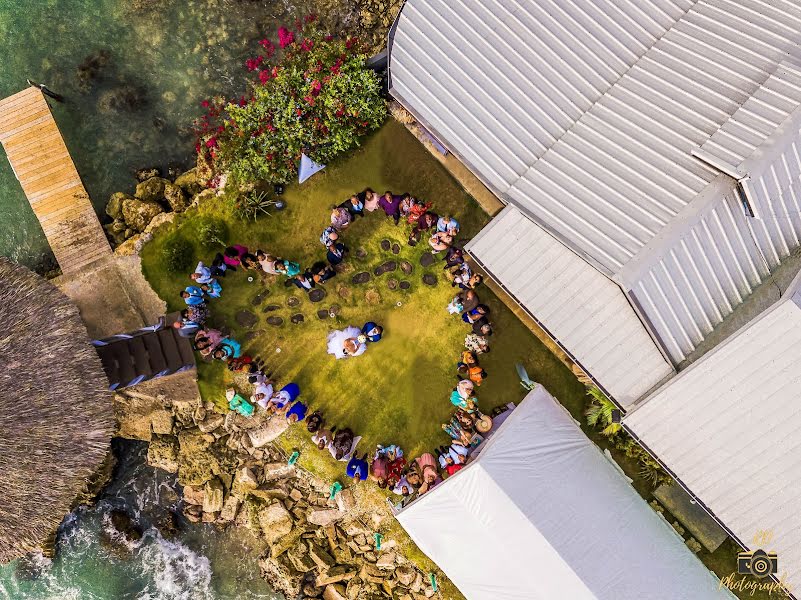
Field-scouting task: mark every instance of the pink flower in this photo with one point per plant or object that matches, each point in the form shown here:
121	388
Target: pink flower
269	47
307	45
328	38
205	104
253	63
211	142
316	86
264	76
309	99
285	37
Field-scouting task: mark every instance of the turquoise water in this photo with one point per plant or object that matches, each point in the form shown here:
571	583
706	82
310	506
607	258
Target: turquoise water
163	56
93	563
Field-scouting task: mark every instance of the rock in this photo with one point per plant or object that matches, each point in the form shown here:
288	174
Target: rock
145	174
417	584
334	592
193	495
386	267
114	206
268	432
311	591
297	318
245	318
430	279
334	309
159	220
406	267
278	470
275	521
270	308
193	513
354	587
151	190
405	575
360	278
386	561
296	495
275	321
161	422
386	245
126	97
320	557
317	294
325	516
138	213
230	508
290	542
190	182
162	453
259	298
211	422
361	253
269	493
300	560
370	556
345	500
244	481
125	525
292	301
428	592
427	259
334	575
213	495
281	577
405	285
396	248
176	197
392	283
322	314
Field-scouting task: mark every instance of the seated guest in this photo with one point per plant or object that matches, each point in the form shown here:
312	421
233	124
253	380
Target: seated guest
395	470
232	256
428	470
303	281
357	468
213	288
193	295
469	368
469	299
329	236
448	224
314	422
202	274
323	437
405	206
466	279
228	348
263	391
416	210
286	267
403	487
297	412
267	262
340	218
479	312
391	205
439	242
354	206
426	221
378	471
197	313
281	399
250	261
336	253
372	332
238	403
482	327
454	257
343	445
321	272
476	343
206	340
453	456
369	198
186	326
390	452
244	364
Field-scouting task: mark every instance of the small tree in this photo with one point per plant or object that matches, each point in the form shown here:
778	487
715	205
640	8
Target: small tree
317	99
599	412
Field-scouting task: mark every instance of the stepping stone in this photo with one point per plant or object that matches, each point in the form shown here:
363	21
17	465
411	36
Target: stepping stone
344	292
317	294
322	314
361	253
428	259
386	245
405	285
388	266
245	318
430	279
258	299
298	318
396	248
362	277
293	301
270	308
406	267
372	297
392	283
275	321
252	335
334	308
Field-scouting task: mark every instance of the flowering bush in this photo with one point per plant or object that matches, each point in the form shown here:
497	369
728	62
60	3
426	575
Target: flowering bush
318	98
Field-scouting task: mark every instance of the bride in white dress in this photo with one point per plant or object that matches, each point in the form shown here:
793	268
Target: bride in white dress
347	342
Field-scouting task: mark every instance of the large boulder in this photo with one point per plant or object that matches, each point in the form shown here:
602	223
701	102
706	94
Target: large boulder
275	521
282	577
114	206
230	508
189	182
325	516
162	453
268	432
244	481
176	197
211	422
159	220
151	189
139	213
213	495
334	591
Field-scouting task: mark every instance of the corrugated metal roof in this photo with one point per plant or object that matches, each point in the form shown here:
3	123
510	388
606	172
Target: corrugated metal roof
728	426
586	312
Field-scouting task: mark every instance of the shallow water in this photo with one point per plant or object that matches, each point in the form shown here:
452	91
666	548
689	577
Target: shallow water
200	563
169	55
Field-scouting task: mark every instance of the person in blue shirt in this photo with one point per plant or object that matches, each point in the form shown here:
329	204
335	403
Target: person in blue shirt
193	295
354	206
297	412
227	349
448	225
358	468
372	331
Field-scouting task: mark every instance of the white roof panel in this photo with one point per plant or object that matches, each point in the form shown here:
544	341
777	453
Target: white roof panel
586	312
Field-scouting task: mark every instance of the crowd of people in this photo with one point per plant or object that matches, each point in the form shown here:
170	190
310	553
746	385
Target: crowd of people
386	465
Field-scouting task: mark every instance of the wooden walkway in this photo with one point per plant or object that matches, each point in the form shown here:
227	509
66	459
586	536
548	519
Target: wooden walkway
48	177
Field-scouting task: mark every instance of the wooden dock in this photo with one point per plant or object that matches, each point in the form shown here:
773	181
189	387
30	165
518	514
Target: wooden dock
44	168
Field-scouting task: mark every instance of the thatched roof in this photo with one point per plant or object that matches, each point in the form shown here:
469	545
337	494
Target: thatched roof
55	409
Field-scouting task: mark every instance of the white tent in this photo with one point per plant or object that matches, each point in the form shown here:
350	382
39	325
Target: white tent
542	514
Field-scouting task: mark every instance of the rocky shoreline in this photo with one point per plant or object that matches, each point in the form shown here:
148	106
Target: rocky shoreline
234	476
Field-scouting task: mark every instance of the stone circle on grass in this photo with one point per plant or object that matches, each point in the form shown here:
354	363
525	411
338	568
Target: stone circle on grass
323	314
246	319
406	267
317	294
259	298
405	285
392	283
270	308
275	321
386	267
359	278
361	253
428	259
396	248
293	301
386	245
430	279
334	309
297	318
252	335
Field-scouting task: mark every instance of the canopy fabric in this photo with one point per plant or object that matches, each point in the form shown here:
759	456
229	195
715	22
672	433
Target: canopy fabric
308	168
542	514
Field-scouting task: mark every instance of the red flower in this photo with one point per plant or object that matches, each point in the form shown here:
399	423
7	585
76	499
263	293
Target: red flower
309	99
316	86
340	112
328	38
253	63
211	142
264	76
269	47
351	43
307	45
275	72
298	112
242	101
310	18
285	37
197	147
205	104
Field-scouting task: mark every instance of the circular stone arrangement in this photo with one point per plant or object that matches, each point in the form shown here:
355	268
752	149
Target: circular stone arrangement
386	267
259	298
360	278
246	319
275	321
270	308
293	301
406	267
428	259
405	285
323	314
396	248
430	279
386	245
297	318
392	283
317	294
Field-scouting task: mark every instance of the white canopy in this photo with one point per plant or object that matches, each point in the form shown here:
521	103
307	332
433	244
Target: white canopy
542	514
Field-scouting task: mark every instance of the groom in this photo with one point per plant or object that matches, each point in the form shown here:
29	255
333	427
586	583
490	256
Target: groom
372	332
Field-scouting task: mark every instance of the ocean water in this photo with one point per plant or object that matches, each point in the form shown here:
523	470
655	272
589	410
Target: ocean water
159	57
94	562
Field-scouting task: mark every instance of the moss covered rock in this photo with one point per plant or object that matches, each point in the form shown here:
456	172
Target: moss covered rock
114	206
189	182
176	197
151	189
163	453
139	213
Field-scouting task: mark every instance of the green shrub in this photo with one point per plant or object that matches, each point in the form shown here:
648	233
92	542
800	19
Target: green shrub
178	253
212	232
250	207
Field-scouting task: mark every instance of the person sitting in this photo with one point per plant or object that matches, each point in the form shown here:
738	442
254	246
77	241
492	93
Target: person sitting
232	256
390	452
286	267
336	253
245	364
343	445
329	236
482	327
340	218
314	422
303	281
404	488
198	313
476	343
454	257
426	221
193	295
440	242
405	206
227	349
462	395
469	368
448	224
466	279
391	205
212	288
451	462
428	470
323	437
250	262
354	206
479	312
206	340
322	272
369	198
416	210
357	468
218	266
297	412
202	274
281	399
238	403
186	326
267	262
469	299
378	471
263	391
372	332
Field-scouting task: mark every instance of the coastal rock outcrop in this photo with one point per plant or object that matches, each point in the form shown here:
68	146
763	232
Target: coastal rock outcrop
138	213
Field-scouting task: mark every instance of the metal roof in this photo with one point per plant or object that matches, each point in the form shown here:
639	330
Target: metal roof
728	425
583	310
591	130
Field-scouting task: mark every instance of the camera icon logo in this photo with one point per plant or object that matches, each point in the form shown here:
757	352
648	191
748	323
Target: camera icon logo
758	563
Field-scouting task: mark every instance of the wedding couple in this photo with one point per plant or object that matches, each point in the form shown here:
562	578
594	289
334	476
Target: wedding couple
353	341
